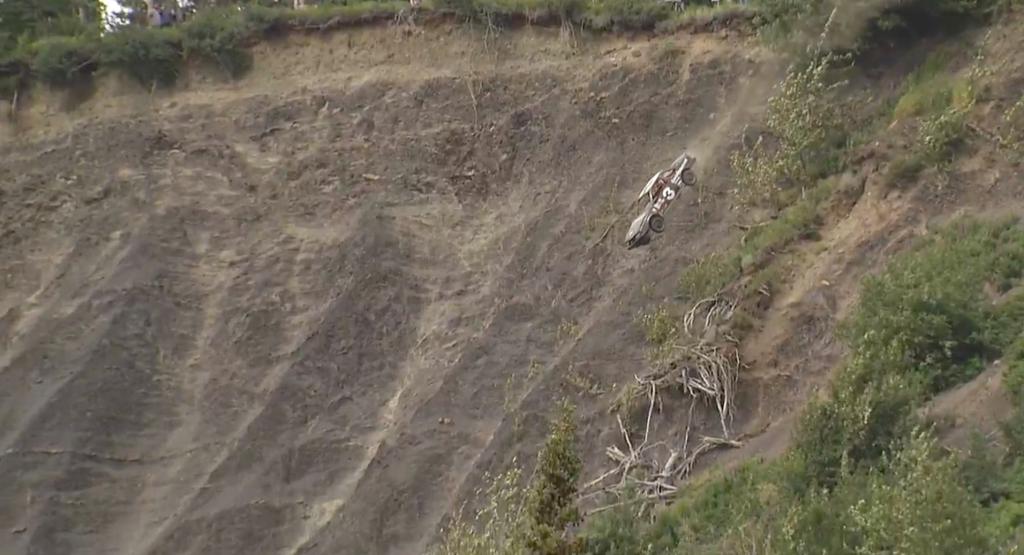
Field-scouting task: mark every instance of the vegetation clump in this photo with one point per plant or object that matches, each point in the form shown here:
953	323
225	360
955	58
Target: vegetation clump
534	519
865	473
805	125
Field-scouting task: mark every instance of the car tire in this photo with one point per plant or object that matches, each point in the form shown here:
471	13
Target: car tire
689	178
656	223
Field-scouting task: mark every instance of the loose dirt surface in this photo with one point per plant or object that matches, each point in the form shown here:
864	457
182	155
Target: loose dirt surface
305	312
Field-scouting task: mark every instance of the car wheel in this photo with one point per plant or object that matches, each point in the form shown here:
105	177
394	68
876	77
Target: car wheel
656	223
689	178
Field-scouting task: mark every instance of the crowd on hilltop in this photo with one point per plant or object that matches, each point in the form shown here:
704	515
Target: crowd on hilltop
165	16
683	4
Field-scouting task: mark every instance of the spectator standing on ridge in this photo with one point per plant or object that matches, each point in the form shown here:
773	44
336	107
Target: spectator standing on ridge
155	20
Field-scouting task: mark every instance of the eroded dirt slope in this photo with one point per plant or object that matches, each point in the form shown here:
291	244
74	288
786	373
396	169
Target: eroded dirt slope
304	312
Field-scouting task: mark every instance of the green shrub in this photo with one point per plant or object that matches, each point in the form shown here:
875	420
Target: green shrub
345	13
709	275
712	273
218	36
806	124
617	15
151	56
9	85
1013	432
1004	321
514	521
928	90
918	506
617	531
800	23
64	60
982	472
942	134
914	503
494	529
919	327
925	315
856	426
1014	377
660	327
799	220
710	515
551	499
263	19
904	169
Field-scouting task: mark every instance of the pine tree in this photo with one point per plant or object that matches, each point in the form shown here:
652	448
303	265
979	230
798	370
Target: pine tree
551	504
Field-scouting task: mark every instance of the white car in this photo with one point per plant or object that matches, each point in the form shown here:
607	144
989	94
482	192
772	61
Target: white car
655	198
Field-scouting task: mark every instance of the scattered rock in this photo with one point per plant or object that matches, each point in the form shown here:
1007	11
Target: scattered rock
444	421
20	530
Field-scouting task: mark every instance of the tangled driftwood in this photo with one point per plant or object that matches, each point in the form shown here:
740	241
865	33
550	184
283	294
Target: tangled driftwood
707	373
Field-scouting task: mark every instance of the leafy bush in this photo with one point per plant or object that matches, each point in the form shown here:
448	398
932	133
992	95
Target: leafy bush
1005	319
151	56
345	13
920	327
625	14
659	326
64	60
943	133
1014	377
855	427
805	122
714	513
927	90
618	531
914	504
1013	431
218	36
517	521
799	220
711	274
851	24
982	472
551	499
263	19
904	169
925	314
495	529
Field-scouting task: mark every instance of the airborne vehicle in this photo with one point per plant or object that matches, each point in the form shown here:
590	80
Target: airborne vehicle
656	196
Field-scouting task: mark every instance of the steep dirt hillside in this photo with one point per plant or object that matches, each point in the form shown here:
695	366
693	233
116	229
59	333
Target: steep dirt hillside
305	311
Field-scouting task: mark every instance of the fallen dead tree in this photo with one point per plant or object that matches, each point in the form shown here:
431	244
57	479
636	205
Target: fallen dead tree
716	308
705	372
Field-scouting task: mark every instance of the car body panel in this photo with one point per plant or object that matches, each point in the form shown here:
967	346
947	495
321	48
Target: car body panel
640	231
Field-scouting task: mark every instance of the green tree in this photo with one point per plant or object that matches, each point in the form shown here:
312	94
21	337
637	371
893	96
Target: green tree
550	503
25	20
913	504
805	121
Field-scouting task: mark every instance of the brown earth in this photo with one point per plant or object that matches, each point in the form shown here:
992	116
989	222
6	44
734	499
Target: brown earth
303	312
306	311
